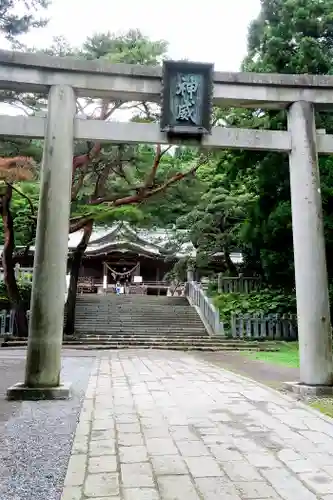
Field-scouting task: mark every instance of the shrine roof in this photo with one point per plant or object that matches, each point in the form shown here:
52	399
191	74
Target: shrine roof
156	242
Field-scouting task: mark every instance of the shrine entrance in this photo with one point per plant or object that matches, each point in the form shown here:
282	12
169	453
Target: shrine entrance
188	92
122	271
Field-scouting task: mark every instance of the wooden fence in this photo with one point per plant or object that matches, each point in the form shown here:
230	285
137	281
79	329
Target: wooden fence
6	322
241	326
237	285
259	326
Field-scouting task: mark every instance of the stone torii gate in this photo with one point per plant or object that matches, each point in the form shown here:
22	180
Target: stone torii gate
65	79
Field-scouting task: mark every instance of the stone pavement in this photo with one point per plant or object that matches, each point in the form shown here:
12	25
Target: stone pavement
166	426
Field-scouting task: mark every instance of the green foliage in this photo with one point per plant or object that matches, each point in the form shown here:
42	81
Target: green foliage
131	48
267	301
21	207
247	203
17	18
25	291
178	273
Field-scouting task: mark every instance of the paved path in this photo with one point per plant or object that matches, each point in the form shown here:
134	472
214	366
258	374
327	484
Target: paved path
168	426
265	373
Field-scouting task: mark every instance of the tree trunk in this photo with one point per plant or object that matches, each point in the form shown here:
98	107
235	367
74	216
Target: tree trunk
74	276
232	269
20	311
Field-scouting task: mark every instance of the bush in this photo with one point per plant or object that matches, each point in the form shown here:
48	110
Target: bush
25	290
267	301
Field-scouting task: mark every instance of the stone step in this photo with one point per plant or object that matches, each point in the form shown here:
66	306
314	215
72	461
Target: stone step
139	334
203	338
149	326
123	345
134	297
140	311
156	342
120	318
134	303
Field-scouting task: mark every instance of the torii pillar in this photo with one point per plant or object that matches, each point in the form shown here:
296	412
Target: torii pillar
313	311
43	364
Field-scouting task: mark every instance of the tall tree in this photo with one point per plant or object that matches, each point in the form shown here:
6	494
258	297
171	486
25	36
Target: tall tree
131	47
288	36
13	170
19	16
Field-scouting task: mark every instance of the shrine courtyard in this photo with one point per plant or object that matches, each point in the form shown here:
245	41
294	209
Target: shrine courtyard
152	425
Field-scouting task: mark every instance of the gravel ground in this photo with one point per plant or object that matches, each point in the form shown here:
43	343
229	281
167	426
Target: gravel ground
36	437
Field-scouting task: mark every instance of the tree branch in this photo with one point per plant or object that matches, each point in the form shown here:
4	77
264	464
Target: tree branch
148	193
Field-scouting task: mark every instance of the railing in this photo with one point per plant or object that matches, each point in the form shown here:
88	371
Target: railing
21	273
208	312
270	326
237	285
241	326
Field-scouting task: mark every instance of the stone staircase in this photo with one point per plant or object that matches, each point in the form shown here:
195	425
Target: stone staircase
145	322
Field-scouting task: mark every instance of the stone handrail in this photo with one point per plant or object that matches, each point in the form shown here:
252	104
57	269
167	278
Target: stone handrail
208	313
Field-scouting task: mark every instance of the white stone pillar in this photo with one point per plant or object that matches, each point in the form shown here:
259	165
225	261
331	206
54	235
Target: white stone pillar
189	274
314	325
47	301
105	278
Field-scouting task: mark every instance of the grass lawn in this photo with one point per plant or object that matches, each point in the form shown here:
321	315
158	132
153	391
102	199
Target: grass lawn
287	355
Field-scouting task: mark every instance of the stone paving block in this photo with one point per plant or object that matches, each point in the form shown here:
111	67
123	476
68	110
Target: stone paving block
180	489
192	448
102	464
80	445
318	438
321	459
99	435
101	448
129	418
169	465
289	455
240	471
265	460
216	488
203	467
104	415
128	428
256	490
133	454
137	475
299	466
141	494
226	454
320	482
161	446
101	485
245	444
130	439
218	439
286	485
156	432
76	470
71	493
102	425
177	419
104	498
83	428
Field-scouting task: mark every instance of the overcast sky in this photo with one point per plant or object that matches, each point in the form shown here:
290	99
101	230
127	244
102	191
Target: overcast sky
208	31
